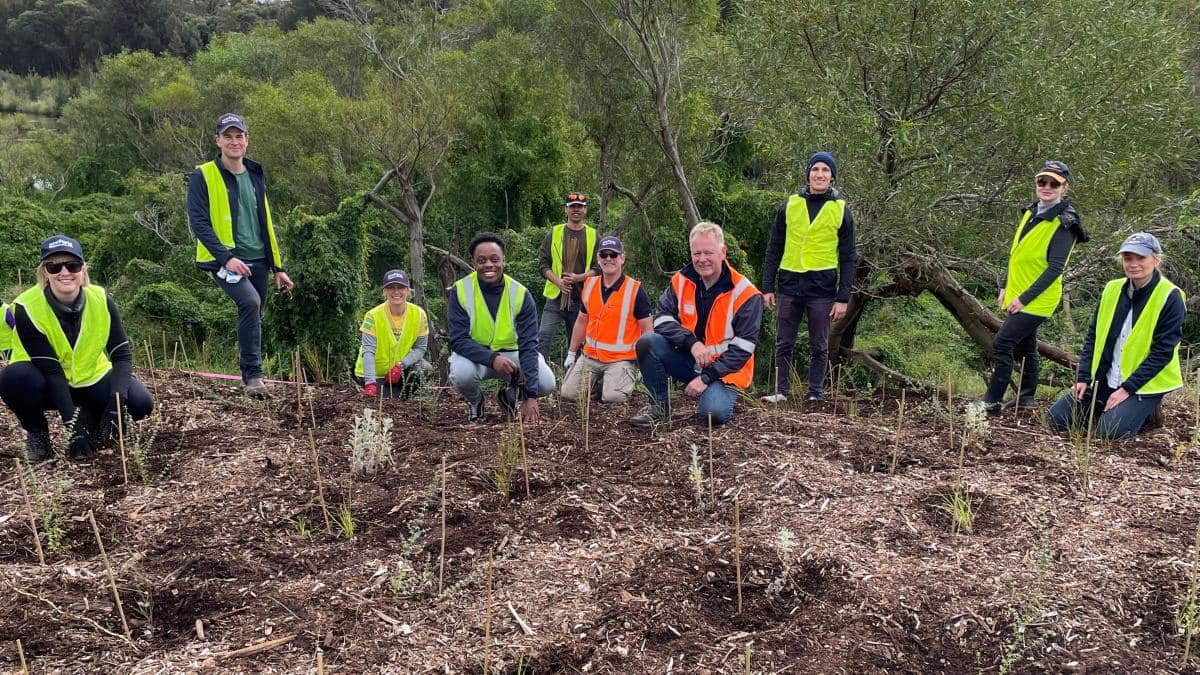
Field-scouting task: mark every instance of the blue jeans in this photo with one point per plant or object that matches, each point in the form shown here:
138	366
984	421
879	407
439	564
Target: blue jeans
657	360
250	295
1122	421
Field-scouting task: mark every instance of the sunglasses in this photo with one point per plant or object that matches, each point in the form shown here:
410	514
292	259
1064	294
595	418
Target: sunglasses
72	266
577	197
1048	182
608	254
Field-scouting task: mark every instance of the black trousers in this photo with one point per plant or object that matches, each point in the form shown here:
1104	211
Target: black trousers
1016	339
25	391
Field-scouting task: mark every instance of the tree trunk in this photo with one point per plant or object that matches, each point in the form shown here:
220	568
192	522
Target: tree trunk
671	149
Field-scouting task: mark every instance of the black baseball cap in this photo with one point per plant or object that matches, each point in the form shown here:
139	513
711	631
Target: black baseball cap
231	121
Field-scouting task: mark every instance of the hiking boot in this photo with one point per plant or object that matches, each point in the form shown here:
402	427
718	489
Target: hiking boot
507	398
816	398
37	446
654	413
255	387
475	410
1025	403
777	397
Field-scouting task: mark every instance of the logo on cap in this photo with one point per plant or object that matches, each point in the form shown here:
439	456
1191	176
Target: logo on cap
59	243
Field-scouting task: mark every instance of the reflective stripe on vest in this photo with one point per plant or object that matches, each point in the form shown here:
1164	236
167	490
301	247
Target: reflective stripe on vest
85	363
1027	261
500	333
222	218
1141	336
810	246
611	336
557	238
388	350
6	333
718	335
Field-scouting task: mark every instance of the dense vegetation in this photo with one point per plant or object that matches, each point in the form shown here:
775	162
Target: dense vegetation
414	126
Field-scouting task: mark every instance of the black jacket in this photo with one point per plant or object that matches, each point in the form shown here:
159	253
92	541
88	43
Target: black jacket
201	224
526	321
1069	231
820	283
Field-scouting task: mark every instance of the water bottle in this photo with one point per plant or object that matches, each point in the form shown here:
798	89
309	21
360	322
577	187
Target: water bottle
228	277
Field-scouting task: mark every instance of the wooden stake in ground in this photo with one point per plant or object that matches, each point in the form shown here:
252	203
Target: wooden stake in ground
1191	599
297	376
950	405
37	540
442	554
121	441
712	477
524	456
112	579
320	662
737	549
21	655
487	620
312	442
899	428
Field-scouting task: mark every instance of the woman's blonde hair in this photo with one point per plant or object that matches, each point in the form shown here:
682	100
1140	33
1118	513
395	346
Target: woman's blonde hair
43	279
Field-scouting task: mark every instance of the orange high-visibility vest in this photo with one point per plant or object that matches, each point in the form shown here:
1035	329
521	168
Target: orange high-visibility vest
718	334
612	331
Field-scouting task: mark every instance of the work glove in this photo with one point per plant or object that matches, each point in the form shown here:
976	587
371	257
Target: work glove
395	374
570	360
371	390
80	445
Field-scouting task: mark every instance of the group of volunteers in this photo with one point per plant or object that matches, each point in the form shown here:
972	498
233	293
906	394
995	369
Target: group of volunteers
70	354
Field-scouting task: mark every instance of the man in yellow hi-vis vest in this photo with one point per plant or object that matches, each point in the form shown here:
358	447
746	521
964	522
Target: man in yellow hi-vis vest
1040	248
567	259
493	336
230	216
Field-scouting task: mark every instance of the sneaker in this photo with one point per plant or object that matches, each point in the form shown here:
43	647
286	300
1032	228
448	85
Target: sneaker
507	398
650	415
37	446
816	397
1026	403
475	410
774	398
256	388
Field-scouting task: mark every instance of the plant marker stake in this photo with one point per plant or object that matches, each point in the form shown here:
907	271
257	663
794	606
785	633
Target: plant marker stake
21	655
487	620
747	659
950	405
899	427
1020	378
320	662
524	456
37	540
297	376
121	444
1191	601
737	549
312	441
442	554
164	341
112	580
1087	443
712	477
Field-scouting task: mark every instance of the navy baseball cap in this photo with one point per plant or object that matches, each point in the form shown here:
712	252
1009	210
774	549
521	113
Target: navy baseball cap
396	277
610	243
231	121
1141	243
1056	170
60	243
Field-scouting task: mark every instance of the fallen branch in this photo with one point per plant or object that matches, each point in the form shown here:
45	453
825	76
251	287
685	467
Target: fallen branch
255	649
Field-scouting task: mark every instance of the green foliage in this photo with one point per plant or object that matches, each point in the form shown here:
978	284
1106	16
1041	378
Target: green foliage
23	224
180	311
326	258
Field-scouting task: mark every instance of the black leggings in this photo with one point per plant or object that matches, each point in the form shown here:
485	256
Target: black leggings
24	390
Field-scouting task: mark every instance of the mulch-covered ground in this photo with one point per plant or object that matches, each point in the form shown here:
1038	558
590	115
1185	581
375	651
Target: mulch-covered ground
615	561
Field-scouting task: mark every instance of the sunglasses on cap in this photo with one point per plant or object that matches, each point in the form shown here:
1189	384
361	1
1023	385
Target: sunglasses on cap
577	197
73	266
608	254
1048	182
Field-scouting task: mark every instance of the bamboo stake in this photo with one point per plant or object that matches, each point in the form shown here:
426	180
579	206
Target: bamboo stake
747	659
121	441
21	655
442	554
487	620
1191	597
950	405
524	455
712	482
737	549
320	662
112	579
37	540
296	374
899	428
254	649
1020	381
164	343
175	355
312	442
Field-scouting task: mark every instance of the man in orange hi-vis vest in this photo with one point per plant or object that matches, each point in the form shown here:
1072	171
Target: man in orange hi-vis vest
705	330
614	312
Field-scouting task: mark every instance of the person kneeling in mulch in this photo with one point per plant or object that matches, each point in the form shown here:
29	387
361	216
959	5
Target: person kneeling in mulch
395	336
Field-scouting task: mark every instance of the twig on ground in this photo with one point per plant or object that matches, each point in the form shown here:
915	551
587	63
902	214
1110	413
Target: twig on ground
442	553
525	628
37	540
64	612
112	578
255	649
21	655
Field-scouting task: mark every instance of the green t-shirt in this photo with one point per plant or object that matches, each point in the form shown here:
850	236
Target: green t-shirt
248	239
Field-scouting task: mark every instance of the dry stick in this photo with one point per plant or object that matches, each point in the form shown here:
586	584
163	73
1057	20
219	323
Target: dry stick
487	619
1020	379
254	649
312	441
320	662
37	541
899	428
712	483
442	554
121	441
950	405
737	549
112	579
297	375
1191	601
747	659
164	343
524	455
174	356
21	655
76	617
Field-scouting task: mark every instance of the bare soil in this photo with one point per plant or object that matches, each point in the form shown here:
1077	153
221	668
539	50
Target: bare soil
611	560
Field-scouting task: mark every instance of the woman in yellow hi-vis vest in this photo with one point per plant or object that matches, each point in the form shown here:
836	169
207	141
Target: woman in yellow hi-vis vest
395	336
1130	358
1041	246
69	354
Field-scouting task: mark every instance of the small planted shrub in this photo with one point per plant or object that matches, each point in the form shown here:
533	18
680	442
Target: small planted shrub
370	443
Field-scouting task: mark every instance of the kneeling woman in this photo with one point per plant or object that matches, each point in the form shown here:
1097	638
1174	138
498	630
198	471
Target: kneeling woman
1130	359
395	336
69	354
